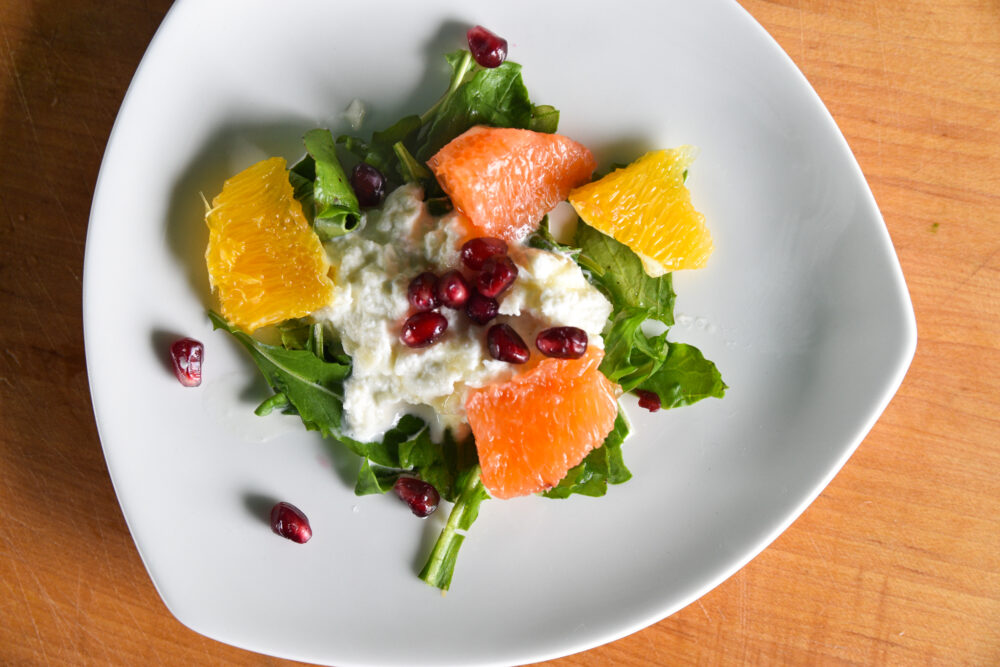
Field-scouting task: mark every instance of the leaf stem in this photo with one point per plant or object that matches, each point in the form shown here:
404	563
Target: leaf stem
441	563
456	80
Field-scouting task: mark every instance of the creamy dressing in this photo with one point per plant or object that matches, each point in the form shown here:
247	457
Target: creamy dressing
372	269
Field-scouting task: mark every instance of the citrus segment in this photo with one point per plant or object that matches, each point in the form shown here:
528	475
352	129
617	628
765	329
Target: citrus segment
647	207
532	429
263	258
505	180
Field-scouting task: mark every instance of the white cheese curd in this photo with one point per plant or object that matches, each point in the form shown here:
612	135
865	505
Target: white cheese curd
372	269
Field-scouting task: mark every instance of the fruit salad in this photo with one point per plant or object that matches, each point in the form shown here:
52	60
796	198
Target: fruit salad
404	295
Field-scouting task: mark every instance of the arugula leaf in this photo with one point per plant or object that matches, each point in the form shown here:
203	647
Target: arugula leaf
630	356
601	467
411	170
678	373
380	152
337	211
302	175
544	118
543	239
618	272
441	563
373	478
685	377
495	97
314	387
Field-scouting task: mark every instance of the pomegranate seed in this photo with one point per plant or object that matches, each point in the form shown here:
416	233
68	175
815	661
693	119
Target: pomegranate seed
288	521
648	399
481	309
422	497
498	274
562	342
453	290
186	355
423	329
506	345
488	49
368	184
475	252
422	292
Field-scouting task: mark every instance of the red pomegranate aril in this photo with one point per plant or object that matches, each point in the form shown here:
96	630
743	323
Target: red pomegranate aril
452	289
368	184
423	329
481	309
506	345
476	251
421	497
288	521
497	275
562	342
488	49
186	355
648	399
422	292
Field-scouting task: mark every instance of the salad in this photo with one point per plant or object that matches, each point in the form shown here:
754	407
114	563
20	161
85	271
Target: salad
403	294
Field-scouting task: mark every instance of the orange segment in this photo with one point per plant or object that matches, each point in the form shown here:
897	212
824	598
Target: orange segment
532	429
263	258
506	179
647	207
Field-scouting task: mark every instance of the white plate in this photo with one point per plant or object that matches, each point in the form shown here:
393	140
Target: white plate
802	306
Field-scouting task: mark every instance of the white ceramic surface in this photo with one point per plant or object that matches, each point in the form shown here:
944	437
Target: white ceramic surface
802	306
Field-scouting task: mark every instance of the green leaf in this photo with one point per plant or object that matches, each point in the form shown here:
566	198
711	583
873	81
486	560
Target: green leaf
544	118
440	564
411	170
601	467
685	377
385	452
618	272
379	152
630	356
543	239
496	97
279	401
337	211
302	175
314	387
374	478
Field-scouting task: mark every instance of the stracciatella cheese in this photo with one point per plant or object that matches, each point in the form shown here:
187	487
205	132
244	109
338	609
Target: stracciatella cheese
373	268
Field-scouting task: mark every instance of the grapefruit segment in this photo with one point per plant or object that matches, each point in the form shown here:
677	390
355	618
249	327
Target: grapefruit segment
505	179
533	428
263	258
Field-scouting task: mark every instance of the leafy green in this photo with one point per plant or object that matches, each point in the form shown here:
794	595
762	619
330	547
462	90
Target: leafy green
475	96
268	405
618	272
302	175
411	170
495	97
678	373
380	152
544	118
685	377
314	387
373	478
630	356
602	466
441	563
337	211
543	239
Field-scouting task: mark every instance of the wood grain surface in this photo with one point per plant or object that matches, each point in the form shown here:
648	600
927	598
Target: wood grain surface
897	562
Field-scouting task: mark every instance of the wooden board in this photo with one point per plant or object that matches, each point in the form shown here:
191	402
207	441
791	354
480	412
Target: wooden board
898	561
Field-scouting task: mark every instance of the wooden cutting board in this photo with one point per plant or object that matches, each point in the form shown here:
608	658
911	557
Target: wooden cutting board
897	562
